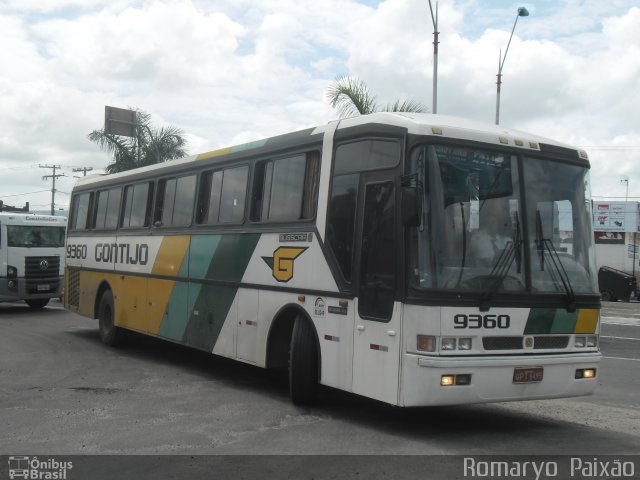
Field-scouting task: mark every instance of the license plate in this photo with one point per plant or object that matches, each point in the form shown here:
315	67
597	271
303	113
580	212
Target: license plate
528	375
44	288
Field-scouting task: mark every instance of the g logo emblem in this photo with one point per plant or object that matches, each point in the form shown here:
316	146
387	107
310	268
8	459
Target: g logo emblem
282	262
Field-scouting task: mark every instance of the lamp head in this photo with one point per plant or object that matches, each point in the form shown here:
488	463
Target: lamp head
523	12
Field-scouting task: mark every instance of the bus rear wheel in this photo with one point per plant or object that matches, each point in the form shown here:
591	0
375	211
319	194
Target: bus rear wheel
37	303
303	363
109	333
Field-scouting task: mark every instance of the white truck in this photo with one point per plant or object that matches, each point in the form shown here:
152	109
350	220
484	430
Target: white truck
31	258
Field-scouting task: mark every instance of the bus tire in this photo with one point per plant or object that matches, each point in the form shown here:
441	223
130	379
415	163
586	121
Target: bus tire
303	363
109	333
37	303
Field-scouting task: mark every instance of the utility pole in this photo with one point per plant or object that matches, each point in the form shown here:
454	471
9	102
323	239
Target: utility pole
53	188
83	169
434	20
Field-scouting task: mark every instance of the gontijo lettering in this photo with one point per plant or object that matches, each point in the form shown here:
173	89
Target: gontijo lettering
122	253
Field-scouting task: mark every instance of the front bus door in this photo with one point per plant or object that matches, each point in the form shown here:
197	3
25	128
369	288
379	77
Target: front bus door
377	327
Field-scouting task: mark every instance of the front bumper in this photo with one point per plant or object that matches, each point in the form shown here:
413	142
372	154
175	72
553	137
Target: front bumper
492	378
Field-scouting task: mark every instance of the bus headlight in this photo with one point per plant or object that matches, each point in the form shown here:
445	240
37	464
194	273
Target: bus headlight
589	341
448	343
429	343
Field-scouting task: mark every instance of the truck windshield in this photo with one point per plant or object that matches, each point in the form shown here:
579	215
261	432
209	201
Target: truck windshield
34	236
474	235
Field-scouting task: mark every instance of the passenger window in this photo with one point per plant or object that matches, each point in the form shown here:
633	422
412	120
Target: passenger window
234	192
175	202
137	205
286	189
80	211
107	209
222	196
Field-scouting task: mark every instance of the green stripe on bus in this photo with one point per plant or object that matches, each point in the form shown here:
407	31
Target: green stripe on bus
550	320
210	304
176	315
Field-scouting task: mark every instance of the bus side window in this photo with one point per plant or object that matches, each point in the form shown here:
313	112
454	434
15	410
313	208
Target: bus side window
136	210
174	204
107	208
233	192
80	211
222	196
285	189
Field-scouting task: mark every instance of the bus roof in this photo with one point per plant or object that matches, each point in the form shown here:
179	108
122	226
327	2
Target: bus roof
415	123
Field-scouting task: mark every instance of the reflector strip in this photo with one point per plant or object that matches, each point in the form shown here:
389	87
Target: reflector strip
251	322
380	348
331	338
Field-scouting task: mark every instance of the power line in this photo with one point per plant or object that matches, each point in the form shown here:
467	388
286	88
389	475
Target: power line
23	194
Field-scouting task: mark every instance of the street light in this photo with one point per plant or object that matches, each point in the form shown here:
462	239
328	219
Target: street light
434	20
625	179
522	12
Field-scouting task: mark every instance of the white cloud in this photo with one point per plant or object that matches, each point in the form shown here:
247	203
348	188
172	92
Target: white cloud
235	70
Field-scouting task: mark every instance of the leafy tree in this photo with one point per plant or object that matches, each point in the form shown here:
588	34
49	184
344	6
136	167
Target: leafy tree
351	97
147	148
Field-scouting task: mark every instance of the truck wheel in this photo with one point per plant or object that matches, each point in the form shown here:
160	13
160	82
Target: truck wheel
109	333
37	303
606	296
303	363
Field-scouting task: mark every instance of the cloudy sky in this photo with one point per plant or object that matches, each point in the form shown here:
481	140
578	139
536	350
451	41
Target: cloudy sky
231	71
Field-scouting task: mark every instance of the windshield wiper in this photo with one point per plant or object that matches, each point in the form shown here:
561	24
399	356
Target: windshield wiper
546	244
511	253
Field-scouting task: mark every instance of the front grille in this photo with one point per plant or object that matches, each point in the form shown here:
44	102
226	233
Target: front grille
502	343
541	342
73	295
547	342
42	274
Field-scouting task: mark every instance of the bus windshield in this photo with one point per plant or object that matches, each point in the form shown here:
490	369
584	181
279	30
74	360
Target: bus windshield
474	234
35	236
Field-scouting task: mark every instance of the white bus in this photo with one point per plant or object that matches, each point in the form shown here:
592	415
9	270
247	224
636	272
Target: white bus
31	258
350	254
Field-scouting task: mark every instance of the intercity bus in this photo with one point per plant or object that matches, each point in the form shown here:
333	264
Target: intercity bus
31	258
348	254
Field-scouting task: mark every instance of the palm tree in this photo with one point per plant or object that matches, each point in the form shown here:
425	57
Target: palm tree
147	148
351	96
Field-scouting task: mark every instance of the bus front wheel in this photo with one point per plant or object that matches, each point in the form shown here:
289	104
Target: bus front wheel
109	333
37	303
303	363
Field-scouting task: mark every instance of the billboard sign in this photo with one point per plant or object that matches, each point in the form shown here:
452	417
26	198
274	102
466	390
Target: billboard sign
615	216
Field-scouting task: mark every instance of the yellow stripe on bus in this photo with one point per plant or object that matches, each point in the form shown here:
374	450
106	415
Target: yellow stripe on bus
169	258
168	262
213	153
587	321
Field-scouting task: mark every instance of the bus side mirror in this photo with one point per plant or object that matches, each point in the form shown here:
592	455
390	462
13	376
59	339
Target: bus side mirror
411	205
